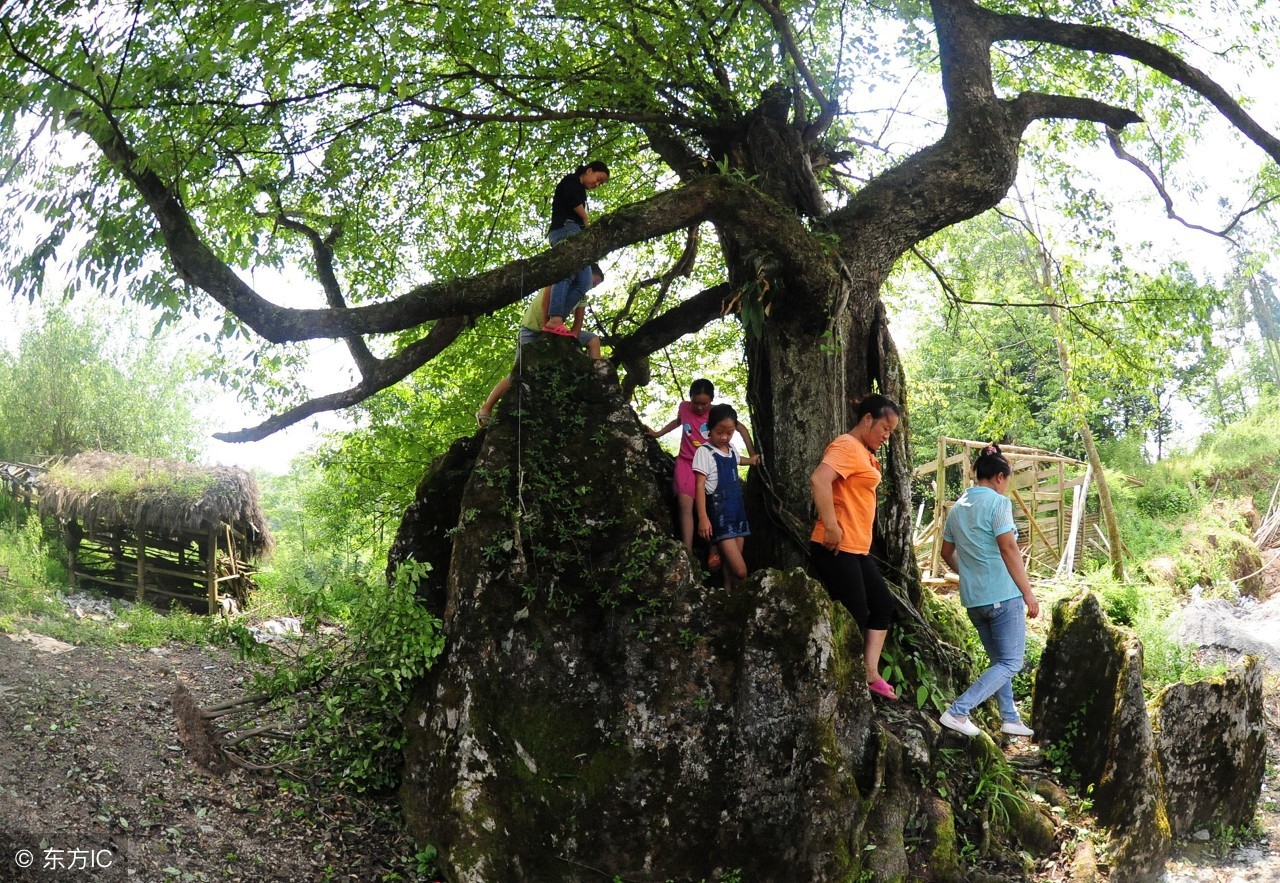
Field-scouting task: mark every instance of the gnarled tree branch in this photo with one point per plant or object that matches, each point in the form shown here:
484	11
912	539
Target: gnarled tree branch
385	373
1094	38
322	249
782	25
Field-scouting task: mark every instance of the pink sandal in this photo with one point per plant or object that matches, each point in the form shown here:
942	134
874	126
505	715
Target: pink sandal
880	687
561	330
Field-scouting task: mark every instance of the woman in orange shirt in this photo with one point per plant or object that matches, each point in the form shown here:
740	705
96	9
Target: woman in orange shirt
844	491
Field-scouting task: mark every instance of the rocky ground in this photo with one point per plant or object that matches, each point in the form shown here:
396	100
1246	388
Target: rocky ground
96	784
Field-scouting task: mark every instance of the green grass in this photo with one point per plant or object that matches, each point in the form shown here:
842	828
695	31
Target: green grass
29	602
126	482
1187	525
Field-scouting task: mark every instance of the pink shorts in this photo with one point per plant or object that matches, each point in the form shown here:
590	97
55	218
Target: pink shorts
685	484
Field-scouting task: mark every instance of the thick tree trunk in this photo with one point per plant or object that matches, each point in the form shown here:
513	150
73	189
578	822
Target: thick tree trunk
823	344
803	378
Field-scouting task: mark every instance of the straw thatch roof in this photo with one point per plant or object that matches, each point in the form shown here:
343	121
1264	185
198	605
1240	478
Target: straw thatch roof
119	490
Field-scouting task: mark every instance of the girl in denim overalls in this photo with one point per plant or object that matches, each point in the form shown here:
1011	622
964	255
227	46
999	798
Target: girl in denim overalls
722	517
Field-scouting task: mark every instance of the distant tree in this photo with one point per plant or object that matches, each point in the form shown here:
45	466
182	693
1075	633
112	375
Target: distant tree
85	383
985	361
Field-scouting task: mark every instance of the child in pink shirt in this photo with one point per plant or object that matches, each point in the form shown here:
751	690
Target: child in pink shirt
691	417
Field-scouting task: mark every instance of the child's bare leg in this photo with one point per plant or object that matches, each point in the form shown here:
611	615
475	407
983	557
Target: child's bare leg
686	521
498	392
593	348
735	566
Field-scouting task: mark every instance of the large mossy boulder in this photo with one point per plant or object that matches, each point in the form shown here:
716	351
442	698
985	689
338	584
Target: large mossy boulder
1089	706
599	711
1211	742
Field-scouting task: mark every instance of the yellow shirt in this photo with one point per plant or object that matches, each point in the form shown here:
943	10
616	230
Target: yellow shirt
854	493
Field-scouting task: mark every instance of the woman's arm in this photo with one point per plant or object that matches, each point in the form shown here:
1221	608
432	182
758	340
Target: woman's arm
581	209
820	484
949	555
1012	556
745	432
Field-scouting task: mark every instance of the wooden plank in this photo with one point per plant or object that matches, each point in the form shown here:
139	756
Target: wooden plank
1079	499
1035	528
196	596
212	563
141	566
939	506
1008	449
932	465
130	566
107	580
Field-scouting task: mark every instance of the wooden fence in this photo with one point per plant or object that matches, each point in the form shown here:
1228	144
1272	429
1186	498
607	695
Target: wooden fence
1049	493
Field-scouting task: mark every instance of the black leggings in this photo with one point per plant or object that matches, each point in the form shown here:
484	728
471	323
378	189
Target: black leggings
855	582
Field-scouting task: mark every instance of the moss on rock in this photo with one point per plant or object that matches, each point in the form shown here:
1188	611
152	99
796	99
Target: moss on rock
1088	704
597	710
1211	743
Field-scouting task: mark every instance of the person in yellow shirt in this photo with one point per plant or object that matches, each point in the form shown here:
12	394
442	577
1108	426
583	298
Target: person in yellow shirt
535	316
844	492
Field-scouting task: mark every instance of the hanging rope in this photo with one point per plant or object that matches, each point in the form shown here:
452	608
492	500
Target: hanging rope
520	566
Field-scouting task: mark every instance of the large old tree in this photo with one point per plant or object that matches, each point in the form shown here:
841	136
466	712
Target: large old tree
402	154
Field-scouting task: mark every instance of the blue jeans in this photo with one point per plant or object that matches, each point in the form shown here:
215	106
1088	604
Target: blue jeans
1002	627
566	293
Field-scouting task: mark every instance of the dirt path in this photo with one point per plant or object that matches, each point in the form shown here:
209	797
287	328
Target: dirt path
95	785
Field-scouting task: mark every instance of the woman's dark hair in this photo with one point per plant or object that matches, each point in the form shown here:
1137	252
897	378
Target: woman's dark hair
720	413
702	387
593	166
596	271
991	463
876	405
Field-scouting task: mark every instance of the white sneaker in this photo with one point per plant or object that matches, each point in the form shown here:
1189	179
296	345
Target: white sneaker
1016	728
960	725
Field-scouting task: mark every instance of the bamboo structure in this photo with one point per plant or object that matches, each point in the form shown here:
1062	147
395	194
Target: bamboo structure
157	530
1049	493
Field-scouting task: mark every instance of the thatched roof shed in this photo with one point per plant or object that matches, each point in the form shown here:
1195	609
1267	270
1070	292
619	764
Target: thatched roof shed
99	489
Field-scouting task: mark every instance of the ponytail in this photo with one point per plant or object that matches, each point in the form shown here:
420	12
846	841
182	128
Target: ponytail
990	463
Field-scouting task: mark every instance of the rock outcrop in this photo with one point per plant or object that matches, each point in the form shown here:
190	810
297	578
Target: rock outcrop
1088	704
599	711
1211	743
1196	761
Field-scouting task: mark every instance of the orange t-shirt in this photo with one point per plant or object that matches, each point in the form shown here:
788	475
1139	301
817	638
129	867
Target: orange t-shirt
854	493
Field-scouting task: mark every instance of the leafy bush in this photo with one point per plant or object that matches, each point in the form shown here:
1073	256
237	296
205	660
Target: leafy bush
1122	603
1024	680
33	569
1162	499
350	691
